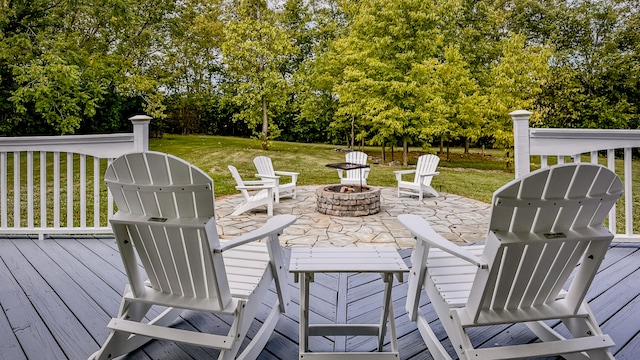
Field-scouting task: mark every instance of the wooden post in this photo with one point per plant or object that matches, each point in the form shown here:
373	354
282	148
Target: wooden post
140	132
521	155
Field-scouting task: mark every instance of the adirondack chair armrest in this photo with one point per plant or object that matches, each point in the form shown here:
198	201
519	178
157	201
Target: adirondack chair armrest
255	185
287	173
399	173
429	174
421	229
274	225
267	176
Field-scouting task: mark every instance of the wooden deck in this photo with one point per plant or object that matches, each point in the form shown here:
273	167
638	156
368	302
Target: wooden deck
57	296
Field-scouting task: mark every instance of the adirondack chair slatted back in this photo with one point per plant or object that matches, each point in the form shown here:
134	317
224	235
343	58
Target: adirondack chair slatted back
427	164
264	165
166	209
236	176
542	226
356	157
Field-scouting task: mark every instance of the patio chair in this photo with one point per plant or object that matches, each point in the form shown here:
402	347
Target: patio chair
546	232
355	176
267	173
424	172
165	230
255	193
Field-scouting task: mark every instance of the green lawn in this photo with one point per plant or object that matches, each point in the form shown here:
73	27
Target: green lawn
472	175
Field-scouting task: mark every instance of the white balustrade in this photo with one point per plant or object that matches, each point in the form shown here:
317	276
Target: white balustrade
54	185
570	145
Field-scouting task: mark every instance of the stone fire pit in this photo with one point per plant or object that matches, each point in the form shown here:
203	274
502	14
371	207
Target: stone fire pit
348	200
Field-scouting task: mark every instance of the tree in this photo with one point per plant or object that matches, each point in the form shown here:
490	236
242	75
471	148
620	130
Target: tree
376	60
63	62
255	50
595	63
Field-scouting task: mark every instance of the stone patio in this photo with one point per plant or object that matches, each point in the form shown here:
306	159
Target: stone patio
457	218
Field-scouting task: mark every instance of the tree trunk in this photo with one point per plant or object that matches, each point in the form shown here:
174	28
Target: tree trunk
466	145
441	145
392	153
265	125
448	158
353	134
384	155
405	151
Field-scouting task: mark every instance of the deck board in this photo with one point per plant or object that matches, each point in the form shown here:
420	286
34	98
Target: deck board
57	296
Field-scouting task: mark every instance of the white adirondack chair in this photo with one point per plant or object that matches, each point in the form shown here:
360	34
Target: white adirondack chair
543	227
355	176
424	172
267	173
256	193
166	220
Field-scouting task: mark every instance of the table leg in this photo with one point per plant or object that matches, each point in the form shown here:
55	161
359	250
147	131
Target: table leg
304	312
386	308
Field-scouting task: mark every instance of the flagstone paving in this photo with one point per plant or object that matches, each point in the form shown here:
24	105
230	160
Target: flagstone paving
459	219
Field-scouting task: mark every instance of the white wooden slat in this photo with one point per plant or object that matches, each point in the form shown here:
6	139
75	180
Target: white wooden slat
16	189
70	190
109	196
56	189
532	188
193	253
532	253
146	247
560	159
566	218
183	271
544	161
538	275
546	218
3	189
166	203
628	189
501	216
165	259
611	165
456	279
83	190
582	181
30	208
138	168
508	270
570	265
594	157
485	280
96	191
554	268
43	189
217	283
560	178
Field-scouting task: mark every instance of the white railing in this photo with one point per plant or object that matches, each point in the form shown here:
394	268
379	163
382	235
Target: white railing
572	144
53	184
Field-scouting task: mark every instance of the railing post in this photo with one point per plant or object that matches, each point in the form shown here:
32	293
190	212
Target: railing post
521	155
140	132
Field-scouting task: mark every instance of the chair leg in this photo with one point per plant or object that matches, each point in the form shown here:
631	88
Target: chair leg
120	343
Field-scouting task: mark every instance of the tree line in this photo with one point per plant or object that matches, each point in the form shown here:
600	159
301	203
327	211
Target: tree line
375	72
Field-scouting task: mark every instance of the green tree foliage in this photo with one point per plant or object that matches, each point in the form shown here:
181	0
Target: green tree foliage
385	72
412	71
595	71
255	51
62	62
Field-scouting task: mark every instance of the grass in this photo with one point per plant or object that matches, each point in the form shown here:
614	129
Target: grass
475	174
472	175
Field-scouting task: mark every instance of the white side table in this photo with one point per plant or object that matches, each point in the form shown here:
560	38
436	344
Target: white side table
305	262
